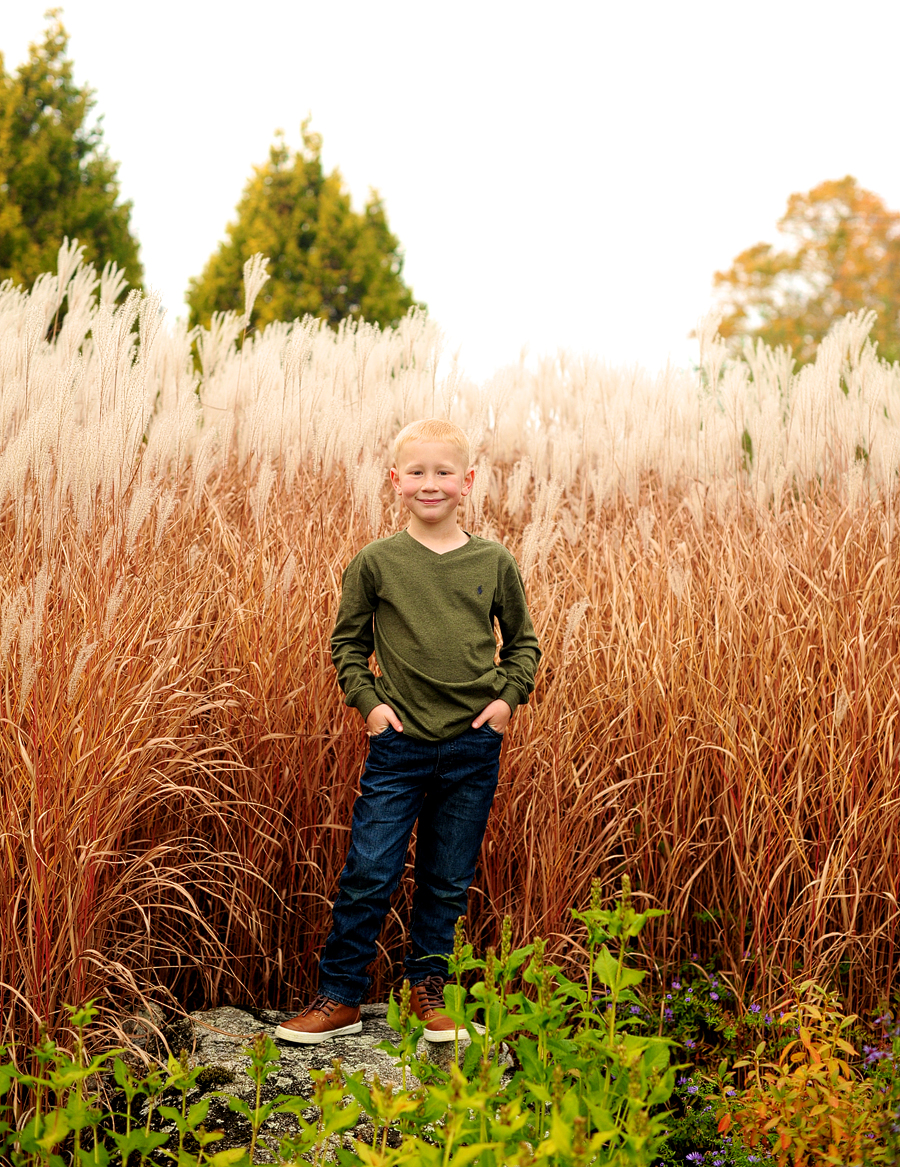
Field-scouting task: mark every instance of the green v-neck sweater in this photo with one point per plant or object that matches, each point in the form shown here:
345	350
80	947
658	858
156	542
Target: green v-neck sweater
429	619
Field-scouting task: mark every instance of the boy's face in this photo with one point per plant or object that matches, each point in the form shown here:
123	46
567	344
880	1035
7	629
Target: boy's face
431	479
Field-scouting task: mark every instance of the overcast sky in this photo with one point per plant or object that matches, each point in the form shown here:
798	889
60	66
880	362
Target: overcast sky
559	175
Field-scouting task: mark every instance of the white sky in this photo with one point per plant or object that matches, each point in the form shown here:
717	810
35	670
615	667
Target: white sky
560	175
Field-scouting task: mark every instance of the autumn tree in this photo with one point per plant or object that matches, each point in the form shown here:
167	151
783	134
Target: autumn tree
326	259
842	254
56	179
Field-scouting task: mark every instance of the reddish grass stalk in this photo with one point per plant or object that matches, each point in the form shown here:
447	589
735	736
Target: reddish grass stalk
720	725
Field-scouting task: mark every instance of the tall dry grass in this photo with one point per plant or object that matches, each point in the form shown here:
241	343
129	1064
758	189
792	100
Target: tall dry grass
711	561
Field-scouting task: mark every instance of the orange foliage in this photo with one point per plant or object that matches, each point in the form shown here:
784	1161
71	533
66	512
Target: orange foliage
843	255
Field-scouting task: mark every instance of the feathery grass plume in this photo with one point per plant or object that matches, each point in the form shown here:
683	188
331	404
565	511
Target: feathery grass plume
481	486
204	464
142	499
113	604
214	343
713	351
69	258
157	752
854	483
13	608
112	283
85	653
165	506
645	522
287	575
574	618
678	580
255	279
517	485
265	479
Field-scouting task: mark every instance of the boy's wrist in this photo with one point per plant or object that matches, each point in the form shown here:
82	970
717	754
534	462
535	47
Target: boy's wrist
366	703
512	697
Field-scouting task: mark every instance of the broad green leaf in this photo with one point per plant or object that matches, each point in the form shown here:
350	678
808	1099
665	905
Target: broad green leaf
606	967
138	1140
233	1157
468	1154
96	1156
197	1112
393	1012
121	1073
54	1129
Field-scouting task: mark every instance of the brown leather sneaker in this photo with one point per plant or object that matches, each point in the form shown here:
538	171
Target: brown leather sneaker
427	1003
321	1019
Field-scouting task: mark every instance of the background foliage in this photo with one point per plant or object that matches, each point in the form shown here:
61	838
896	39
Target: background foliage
56	179
842	255
327	260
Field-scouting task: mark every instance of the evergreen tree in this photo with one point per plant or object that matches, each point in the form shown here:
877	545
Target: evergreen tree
326	259
56	179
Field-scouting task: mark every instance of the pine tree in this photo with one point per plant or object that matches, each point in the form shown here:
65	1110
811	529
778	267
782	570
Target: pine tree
326	259
56	179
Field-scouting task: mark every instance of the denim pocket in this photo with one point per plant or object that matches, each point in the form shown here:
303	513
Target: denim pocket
493	731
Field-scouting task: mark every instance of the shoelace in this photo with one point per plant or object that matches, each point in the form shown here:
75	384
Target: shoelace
431	992
322	1004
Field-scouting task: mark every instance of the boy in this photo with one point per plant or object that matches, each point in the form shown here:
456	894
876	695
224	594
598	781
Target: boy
424	600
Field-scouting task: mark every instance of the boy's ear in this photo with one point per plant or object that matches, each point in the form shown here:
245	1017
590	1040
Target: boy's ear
395	479
468	480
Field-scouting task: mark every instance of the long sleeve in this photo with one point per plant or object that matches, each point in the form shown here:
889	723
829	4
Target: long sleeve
519	653
353	638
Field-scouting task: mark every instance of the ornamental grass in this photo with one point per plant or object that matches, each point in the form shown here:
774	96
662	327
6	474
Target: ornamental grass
711	561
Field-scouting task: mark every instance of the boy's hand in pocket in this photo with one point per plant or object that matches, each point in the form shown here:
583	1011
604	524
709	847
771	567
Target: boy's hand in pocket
497	716
380	718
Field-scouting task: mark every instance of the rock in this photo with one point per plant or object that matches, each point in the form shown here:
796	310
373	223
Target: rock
220	1035
215	1039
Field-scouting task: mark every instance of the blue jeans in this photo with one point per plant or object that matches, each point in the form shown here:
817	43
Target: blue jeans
449	787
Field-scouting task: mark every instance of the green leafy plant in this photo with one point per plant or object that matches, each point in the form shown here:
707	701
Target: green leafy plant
552	1072
582	1088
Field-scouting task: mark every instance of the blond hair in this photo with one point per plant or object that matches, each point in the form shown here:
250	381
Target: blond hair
434	429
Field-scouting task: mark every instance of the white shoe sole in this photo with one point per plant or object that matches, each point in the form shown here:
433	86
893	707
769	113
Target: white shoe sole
439	1035
300	1038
